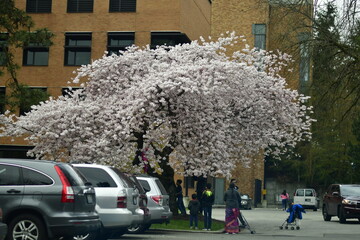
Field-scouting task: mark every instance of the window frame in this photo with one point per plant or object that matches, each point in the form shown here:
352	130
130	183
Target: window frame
112	3
114	49
259	31
37	3
78	3
35	49
77	48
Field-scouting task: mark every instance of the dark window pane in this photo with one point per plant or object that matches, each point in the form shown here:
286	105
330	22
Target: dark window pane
36	56
168	38
259	31
77	49
79	6
122	6
119	41
145	184
38	6
2	99
9	175
35	178
97	177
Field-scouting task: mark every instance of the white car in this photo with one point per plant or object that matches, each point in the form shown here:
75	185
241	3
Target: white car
307	197
117	199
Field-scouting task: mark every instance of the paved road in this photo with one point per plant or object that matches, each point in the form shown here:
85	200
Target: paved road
266	224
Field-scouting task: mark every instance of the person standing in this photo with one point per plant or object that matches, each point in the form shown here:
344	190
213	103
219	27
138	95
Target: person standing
179	197
194	207
207	200
284	199
232	200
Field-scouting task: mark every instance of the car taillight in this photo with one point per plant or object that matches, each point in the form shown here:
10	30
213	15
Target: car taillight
67	194
121	202
158	199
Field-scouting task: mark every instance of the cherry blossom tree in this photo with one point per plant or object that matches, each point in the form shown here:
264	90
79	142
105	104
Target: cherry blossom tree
191	108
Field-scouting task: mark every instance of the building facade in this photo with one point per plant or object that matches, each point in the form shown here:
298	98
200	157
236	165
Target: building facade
85	29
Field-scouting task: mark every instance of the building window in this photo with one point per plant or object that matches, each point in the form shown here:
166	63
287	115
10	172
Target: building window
29	97
119	41
77	49
259	32
3	48
168	38
35	55
304	67
122	6
38	6
80	6
2	99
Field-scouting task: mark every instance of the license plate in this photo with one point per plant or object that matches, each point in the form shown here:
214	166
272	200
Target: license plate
89	199
307	200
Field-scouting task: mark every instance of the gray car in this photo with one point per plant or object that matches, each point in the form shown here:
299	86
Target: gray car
158	203
45	200
117	199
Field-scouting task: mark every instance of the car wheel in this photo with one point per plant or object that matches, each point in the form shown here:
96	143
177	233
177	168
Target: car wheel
342	217
89	236
27	227
138	228
326	216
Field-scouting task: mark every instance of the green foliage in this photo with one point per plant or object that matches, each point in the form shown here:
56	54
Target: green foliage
16	31
180	222
24	97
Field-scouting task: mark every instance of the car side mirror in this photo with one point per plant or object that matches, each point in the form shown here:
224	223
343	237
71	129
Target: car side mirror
335	194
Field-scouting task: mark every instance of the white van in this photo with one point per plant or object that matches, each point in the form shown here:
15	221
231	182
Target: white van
307	197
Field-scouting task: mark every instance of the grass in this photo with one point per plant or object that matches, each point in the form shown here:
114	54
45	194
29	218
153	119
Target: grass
180	222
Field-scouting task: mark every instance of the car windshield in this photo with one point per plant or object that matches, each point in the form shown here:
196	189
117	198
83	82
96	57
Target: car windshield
350	190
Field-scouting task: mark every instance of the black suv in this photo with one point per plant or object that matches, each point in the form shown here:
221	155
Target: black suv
45	200
343	201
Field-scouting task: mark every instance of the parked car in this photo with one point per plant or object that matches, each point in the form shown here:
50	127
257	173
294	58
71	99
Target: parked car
3	227
117	199
158	202
343	201
246	201
307	197
46	200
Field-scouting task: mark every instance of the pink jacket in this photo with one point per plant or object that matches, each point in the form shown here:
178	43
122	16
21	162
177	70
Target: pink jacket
282	196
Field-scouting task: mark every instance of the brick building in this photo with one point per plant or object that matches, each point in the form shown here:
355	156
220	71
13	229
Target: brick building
84	29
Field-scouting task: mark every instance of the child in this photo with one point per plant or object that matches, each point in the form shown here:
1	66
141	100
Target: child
194	207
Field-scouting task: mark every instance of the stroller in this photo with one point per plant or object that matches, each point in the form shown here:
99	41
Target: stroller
243	223
293	221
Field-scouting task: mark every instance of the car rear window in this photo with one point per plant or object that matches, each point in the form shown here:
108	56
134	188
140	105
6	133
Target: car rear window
125	179
72	176
309	193
97	177
300	192
145	184
161	187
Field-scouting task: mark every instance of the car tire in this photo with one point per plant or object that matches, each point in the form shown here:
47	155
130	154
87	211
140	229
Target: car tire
89	236
135	229
23	225
325	214
342	217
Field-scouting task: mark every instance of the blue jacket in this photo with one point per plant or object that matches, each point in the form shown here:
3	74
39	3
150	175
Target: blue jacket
295	211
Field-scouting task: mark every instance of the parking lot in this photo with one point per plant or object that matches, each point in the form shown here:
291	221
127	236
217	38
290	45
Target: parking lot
266	222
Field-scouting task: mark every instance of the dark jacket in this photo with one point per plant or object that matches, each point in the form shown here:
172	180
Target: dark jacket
232	198
207	198
194	207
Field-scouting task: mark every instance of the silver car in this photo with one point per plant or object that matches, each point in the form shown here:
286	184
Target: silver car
117	199
158	203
